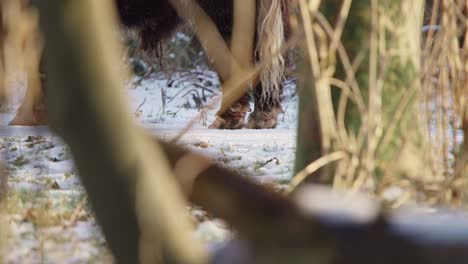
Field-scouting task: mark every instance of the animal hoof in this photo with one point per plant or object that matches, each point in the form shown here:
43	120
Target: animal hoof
219	123
34	118
263	119
227	123
233	118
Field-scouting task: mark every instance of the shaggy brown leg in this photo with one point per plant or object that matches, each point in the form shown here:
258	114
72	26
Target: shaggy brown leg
234	117
264	119
266	111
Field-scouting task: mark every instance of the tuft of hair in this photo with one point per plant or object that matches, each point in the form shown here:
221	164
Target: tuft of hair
270	38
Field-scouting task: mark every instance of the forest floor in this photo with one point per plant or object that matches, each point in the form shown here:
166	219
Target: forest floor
48	218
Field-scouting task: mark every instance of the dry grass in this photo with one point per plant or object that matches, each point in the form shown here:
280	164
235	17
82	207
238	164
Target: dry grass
444	98
443	95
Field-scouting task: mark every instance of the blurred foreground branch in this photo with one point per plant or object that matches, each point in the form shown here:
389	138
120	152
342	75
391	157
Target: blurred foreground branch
275	229
128	180
3	207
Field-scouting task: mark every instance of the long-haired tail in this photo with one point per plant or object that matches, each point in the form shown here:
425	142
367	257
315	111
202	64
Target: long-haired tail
270	38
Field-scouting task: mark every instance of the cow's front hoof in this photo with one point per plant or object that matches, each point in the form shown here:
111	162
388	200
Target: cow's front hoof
263	119
29	118
233	118
227	123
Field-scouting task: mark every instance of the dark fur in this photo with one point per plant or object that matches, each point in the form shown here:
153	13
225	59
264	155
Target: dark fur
156	20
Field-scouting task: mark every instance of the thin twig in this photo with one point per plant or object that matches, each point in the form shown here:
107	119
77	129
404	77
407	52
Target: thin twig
314	166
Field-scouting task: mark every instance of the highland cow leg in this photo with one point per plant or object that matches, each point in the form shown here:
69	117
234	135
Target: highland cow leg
266	110
30	114
32	111
221	11
234	117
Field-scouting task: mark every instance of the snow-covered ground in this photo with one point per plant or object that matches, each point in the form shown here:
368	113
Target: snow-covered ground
49	220
48	215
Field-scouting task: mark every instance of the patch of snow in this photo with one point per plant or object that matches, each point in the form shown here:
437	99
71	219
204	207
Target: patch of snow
392	193
42	173
212	231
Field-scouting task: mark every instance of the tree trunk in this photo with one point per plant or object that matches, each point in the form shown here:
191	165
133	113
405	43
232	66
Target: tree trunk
355	41
309	134
312	139
395	80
